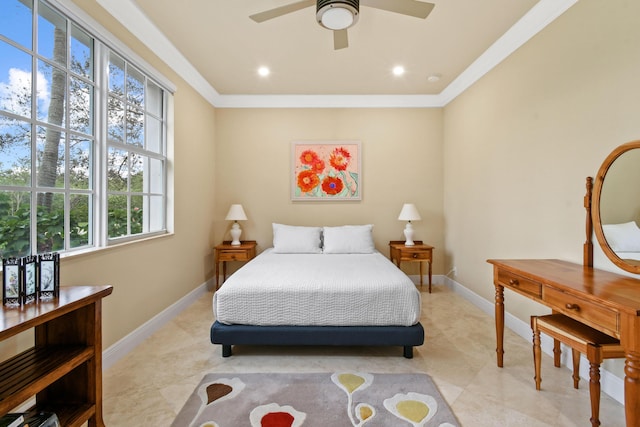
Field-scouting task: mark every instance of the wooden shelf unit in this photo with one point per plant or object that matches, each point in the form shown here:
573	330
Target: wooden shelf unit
63	370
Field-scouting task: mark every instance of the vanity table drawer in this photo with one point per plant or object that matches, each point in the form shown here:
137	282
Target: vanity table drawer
588	312
520	283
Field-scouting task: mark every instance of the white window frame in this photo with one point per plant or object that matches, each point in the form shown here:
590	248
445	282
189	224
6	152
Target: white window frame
105	42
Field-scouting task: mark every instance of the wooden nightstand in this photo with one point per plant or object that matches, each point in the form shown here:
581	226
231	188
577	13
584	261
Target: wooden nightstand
224	252
416	253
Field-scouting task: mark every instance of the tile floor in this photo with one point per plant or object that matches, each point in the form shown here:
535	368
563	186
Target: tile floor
148	386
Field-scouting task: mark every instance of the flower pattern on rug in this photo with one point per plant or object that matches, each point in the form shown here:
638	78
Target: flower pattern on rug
350	383
414	408
409	408
218	391
274	415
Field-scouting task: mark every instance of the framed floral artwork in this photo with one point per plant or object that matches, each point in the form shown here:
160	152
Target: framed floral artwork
326	171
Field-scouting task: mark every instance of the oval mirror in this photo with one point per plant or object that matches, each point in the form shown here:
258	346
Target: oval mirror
615	207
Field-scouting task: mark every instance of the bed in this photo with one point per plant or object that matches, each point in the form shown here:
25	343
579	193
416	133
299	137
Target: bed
318	286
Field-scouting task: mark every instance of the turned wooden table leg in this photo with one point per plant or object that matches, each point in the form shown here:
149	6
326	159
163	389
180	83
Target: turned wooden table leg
224	271
632	389
217	275
594	392
499	324
537	355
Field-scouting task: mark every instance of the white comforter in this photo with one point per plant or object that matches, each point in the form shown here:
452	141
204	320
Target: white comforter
318	289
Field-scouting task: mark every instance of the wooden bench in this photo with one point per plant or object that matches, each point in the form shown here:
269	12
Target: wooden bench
581	338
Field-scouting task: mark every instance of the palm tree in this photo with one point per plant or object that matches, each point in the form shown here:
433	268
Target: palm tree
48	167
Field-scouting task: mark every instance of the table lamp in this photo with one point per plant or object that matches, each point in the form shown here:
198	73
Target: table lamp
409	213
236	213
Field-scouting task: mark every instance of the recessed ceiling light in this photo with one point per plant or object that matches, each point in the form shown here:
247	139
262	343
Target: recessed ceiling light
432	78
264	71
398	70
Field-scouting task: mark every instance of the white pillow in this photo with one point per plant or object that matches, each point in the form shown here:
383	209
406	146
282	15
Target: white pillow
291	239
622	237
348	239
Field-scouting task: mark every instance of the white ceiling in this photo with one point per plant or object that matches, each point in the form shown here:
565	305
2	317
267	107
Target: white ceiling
215	46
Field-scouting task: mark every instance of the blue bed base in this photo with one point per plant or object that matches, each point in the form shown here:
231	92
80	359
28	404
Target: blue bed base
405	336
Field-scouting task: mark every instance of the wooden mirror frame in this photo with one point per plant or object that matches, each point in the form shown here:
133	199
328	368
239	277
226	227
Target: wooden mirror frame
595	206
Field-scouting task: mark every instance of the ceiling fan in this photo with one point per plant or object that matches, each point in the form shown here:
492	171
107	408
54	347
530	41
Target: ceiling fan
338	15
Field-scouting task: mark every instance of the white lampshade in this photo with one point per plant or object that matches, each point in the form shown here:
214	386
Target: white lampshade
409	213
236	213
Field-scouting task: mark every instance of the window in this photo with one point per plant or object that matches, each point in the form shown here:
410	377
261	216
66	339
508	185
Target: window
82	152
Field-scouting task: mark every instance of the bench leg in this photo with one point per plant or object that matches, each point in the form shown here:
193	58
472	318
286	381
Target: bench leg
576	367
557	352
536	356
594	393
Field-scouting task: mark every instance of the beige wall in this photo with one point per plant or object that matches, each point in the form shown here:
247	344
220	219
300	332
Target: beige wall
519	143
498	173
149	276
401	162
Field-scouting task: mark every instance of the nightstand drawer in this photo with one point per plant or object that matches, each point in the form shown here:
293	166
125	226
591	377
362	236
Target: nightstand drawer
231	255
520	283
408	255
585	311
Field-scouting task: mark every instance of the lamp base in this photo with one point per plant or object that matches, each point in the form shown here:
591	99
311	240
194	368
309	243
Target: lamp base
236	231
408	235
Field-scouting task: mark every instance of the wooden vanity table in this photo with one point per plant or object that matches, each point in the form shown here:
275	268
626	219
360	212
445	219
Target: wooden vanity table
606	301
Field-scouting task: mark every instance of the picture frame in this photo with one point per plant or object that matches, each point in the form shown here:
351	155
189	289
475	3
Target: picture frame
326	171
11	281
49	275
29	270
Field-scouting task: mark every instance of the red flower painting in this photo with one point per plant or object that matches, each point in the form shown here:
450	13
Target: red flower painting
326	171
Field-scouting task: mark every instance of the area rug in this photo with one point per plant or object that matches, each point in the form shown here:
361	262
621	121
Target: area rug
319	399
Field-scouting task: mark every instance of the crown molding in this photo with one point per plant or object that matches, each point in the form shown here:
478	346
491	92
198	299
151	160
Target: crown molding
541	15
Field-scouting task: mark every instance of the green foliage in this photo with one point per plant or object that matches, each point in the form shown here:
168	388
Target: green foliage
14	234
15	229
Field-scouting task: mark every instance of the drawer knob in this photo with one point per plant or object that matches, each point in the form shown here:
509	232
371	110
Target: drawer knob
514	282
415	255
570	306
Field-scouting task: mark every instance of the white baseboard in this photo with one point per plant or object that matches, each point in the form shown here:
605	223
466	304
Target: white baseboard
118	350
610	384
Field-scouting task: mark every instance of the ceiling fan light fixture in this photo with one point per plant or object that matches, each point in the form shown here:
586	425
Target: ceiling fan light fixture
337	14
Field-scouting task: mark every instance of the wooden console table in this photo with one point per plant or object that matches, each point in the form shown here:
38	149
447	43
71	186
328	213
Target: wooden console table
63	369
605	301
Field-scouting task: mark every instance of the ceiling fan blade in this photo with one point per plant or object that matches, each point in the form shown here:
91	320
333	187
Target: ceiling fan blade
414	8
282	10
340	39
